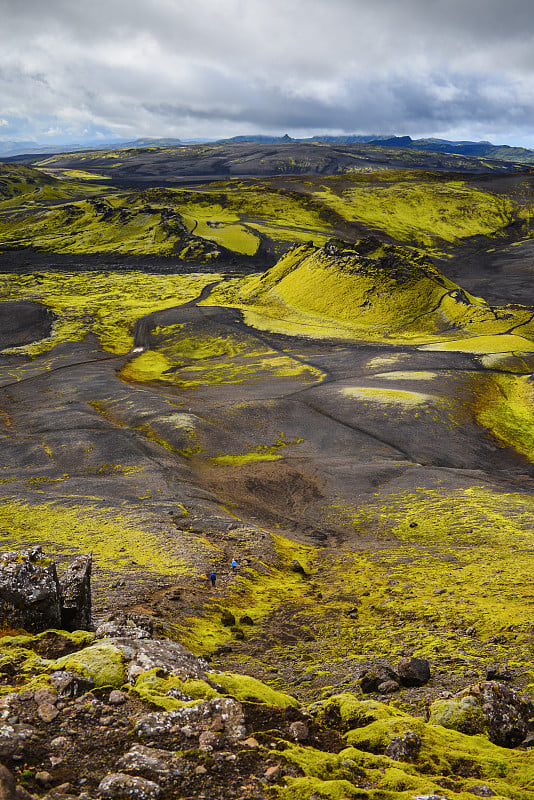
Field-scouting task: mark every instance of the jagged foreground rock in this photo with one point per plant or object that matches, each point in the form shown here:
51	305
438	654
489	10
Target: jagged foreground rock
32	597
135	717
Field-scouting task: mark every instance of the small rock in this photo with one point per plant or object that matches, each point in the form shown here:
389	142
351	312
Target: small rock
45	696
251	742
388	687
246	620
162	766
296	566
482	790
71	684
272	773
59	741
371	679
239	633
498	673
471	631
440	591
76	594
64	788
227	618
299	731
413	524
117	698
22	794
210	740
200	770
117	785
56	760
8	786
47	712
413	671
44	778
27	694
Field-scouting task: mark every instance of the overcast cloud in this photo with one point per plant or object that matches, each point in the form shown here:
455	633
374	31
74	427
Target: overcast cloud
75	71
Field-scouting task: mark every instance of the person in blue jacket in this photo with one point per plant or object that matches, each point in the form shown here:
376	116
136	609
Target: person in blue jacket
234	565
213	578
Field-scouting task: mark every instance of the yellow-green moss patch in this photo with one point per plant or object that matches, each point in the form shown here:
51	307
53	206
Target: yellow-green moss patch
102	662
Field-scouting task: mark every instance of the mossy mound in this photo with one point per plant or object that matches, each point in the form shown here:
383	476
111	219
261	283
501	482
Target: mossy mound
102	662
389	291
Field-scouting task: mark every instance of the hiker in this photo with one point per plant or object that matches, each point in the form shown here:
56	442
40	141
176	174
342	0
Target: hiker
213	578
234	565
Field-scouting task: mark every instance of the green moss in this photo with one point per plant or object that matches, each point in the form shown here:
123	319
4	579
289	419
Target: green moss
149	366
389	396
500	343
115	539
245	458
77	638
308	788
354	712
505	406
246	688
104	303
154	688
459	713
103	663
424	209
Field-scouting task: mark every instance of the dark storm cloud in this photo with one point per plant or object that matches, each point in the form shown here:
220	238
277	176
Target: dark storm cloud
220	67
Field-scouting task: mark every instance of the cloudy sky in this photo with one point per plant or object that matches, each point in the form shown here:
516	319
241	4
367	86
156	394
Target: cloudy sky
83	70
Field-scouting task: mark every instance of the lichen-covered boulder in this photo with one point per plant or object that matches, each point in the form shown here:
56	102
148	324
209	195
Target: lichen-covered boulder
76	594
170	658
485	707
30	596
221	715
405	747
162	766
122	624
119	786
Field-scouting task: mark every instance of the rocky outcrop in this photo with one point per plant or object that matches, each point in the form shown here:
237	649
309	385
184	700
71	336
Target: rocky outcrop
32	597
485	707
76	595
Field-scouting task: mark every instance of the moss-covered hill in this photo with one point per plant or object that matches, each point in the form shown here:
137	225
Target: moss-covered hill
371	291
249	223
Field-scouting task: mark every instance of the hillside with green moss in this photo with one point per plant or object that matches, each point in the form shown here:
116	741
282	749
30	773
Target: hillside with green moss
325	377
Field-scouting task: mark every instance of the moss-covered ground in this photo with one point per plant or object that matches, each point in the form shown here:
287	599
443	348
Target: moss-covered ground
351	425
60	211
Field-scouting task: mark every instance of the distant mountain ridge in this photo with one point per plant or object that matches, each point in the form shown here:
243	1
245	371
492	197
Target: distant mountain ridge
482	149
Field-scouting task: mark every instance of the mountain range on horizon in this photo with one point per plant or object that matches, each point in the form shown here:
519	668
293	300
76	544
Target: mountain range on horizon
478	149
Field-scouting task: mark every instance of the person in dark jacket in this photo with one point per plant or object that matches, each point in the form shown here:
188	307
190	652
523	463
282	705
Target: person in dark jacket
213	578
